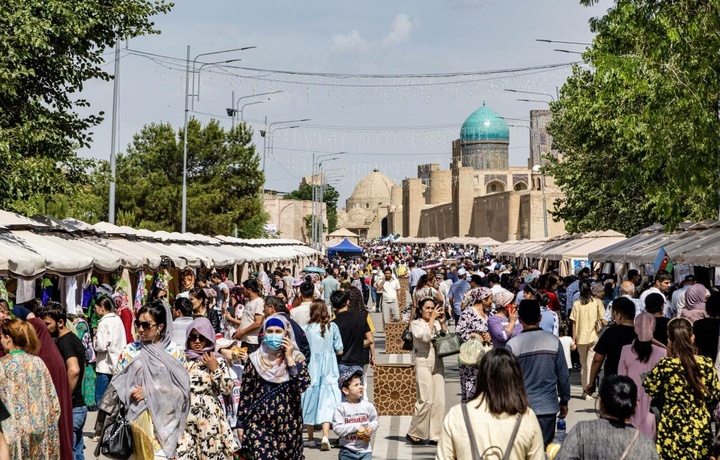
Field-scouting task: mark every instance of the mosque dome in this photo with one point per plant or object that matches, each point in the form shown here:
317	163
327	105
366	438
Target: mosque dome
372	191
484	124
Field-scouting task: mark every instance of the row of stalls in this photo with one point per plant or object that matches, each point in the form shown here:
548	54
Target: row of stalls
567	253
692	248
71	255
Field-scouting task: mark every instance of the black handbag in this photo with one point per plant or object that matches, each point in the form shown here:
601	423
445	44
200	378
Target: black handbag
407	339
117	441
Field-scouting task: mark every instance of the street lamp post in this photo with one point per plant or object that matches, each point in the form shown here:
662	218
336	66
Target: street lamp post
245	105
268	132
552	98
185	134
233	110
316	197
533	100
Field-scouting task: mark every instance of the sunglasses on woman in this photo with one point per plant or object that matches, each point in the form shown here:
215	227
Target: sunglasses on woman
144	325
195	337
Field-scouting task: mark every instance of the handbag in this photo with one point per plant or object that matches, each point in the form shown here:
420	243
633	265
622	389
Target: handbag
117	440
472	351
407	339
473	441
446	345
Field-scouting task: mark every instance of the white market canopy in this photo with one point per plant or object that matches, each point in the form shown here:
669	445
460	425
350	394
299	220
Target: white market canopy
30	248
696	244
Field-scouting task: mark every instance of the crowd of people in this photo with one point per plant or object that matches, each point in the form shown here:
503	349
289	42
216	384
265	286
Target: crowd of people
219	370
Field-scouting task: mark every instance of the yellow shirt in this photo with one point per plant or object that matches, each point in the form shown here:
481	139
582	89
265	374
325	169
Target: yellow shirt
584	318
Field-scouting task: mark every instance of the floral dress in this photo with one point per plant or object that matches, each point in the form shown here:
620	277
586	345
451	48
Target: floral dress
271	415
209	434
27	391
468	323
684	428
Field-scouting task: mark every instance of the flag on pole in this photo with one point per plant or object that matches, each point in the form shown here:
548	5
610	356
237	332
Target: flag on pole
663	262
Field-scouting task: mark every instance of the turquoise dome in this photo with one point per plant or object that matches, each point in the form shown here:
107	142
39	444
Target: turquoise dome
484	124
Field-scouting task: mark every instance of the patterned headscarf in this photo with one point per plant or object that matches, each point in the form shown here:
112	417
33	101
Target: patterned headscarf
270	364
478	294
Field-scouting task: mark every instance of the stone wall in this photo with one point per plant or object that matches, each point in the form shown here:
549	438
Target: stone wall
437	221
413	203
288	216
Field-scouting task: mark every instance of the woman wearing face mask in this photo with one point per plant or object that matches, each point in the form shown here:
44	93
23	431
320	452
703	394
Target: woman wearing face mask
473	323
153	385
209	377
270	420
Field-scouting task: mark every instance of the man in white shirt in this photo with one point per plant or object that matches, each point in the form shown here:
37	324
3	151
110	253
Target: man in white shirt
301	313
252	317
678	297
661	286
223	292
109	343
415	274
389	287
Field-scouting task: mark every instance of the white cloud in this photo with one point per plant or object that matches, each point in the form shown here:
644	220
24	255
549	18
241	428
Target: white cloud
402	26
351	41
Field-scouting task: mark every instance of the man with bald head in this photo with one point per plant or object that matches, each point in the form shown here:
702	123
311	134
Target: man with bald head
627	289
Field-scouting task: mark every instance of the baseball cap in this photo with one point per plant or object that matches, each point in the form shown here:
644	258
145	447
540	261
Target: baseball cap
345	377
690	278
462	272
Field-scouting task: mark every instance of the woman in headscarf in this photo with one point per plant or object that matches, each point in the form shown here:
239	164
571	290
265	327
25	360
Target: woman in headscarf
55	363
473	323
695	303
27	390
153	385
270	423
122	309
504	324
208	433
637	359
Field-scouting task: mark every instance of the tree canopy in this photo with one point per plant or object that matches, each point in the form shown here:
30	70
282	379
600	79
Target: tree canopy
223	186
330	197
638	123
48	50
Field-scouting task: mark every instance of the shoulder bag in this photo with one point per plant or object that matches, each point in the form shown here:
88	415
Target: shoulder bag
407	339
472	351
117	441
473	442
446	345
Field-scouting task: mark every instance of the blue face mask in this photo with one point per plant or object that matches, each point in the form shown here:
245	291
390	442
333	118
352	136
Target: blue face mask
274	341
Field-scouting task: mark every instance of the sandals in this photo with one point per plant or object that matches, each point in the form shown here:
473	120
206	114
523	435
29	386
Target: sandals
414	441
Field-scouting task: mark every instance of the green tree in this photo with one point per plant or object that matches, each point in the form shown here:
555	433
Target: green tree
639	129
48	50
330	197
223	184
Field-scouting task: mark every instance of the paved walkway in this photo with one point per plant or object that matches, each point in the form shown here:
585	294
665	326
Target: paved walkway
389	440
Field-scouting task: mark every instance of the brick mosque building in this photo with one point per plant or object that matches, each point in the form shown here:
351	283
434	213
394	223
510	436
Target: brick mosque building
480	195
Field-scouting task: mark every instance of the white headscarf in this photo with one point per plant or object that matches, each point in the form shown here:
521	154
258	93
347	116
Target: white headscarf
271	365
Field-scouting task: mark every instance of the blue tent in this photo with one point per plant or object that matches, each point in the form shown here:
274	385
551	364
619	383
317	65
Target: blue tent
345	248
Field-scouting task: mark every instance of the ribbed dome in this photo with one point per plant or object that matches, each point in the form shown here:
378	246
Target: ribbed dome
373	189
484	124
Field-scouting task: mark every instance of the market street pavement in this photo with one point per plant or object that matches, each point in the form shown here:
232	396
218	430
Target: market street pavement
389	440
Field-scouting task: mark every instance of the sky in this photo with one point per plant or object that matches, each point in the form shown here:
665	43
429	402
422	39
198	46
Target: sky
389	124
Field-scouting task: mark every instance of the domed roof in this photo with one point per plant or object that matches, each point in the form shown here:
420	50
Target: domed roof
373	188
484	124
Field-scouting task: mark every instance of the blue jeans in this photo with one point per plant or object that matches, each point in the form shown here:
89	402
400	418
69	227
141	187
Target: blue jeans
79	417
101	383
347	454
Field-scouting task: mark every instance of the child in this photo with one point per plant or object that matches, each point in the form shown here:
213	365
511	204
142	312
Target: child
567	343
354	420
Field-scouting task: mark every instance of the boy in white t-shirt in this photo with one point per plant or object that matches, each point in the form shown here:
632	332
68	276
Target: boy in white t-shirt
354	420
